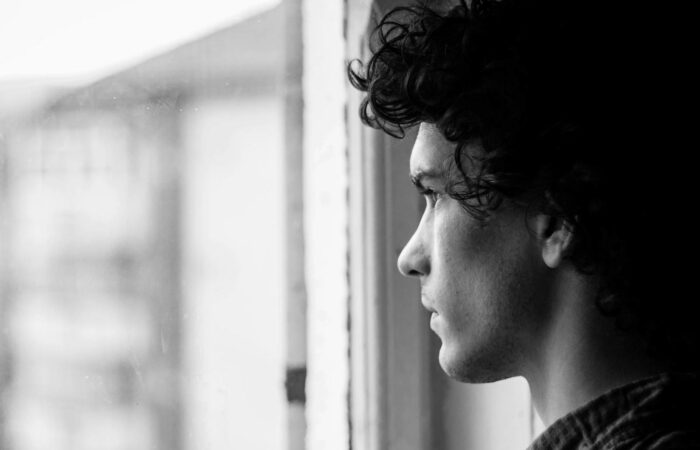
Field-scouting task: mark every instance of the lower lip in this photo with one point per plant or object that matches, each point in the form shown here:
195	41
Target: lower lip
433	317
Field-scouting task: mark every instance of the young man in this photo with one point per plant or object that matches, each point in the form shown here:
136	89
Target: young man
551	151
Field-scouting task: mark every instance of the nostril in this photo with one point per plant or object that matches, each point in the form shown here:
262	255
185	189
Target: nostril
410	265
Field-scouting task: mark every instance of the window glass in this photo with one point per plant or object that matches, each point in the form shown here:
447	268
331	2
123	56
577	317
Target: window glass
142	258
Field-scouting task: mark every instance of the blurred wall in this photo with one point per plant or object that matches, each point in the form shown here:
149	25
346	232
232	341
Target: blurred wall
233	285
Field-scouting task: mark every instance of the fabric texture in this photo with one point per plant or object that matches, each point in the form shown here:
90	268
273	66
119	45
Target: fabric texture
657	413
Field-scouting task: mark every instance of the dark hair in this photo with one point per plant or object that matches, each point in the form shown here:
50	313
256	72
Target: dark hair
576	107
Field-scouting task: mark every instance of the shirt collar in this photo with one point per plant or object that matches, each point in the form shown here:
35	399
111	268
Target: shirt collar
622	413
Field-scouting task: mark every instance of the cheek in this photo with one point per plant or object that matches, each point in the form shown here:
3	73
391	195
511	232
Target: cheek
459	269
487	273
511	290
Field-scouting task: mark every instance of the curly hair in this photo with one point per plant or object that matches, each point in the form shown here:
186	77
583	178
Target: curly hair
573	107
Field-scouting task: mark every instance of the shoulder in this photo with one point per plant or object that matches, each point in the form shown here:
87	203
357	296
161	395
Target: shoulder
664	416
658	413
660	440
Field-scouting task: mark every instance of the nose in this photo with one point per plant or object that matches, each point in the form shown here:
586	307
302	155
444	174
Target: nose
413	260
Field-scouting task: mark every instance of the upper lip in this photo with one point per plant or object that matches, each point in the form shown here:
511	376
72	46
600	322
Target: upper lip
426	303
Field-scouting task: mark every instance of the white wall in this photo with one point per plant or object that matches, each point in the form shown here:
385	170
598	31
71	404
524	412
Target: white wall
233	262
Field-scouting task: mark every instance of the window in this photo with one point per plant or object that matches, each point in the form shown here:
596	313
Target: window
198	250
142	253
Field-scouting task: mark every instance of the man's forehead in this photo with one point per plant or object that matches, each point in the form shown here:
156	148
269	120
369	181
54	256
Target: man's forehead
431	153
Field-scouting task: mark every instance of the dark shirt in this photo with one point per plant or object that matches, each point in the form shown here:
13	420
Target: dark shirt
661	412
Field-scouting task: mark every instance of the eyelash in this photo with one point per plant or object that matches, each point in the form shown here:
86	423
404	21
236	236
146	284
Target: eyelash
431	195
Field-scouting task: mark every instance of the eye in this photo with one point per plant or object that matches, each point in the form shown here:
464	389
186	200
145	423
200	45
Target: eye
431	196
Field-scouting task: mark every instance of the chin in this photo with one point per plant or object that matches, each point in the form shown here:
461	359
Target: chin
473	367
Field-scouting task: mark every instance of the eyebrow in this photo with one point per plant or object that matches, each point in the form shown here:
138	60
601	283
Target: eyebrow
420	174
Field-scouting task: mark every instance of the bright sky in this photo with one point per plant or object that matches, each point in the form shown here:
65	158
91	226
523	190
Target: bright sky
86	39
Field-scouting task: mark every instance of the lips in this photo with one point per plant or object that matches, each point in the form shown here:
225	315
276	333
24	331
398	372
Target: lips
425	301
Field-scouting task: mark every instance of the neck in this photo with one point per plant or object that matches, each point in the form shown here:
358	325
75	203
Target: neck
582	355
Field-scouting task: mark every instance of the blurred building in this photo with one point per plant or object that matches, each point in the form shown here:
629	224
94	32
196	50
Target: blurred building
142	255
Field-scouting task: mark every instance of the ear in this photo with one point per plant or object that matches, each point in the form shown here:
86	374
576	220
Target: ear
555	237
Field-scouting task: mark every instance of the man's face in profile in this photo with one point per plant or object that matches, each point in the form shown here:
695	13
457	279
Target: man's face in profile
481	280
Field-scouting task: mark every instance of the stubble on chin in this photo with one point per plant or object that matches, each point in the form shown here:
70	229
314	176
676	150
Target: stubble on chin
487	366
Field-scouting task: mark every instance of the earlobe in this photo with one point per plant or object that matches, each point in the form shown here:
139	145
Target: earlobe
555	238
